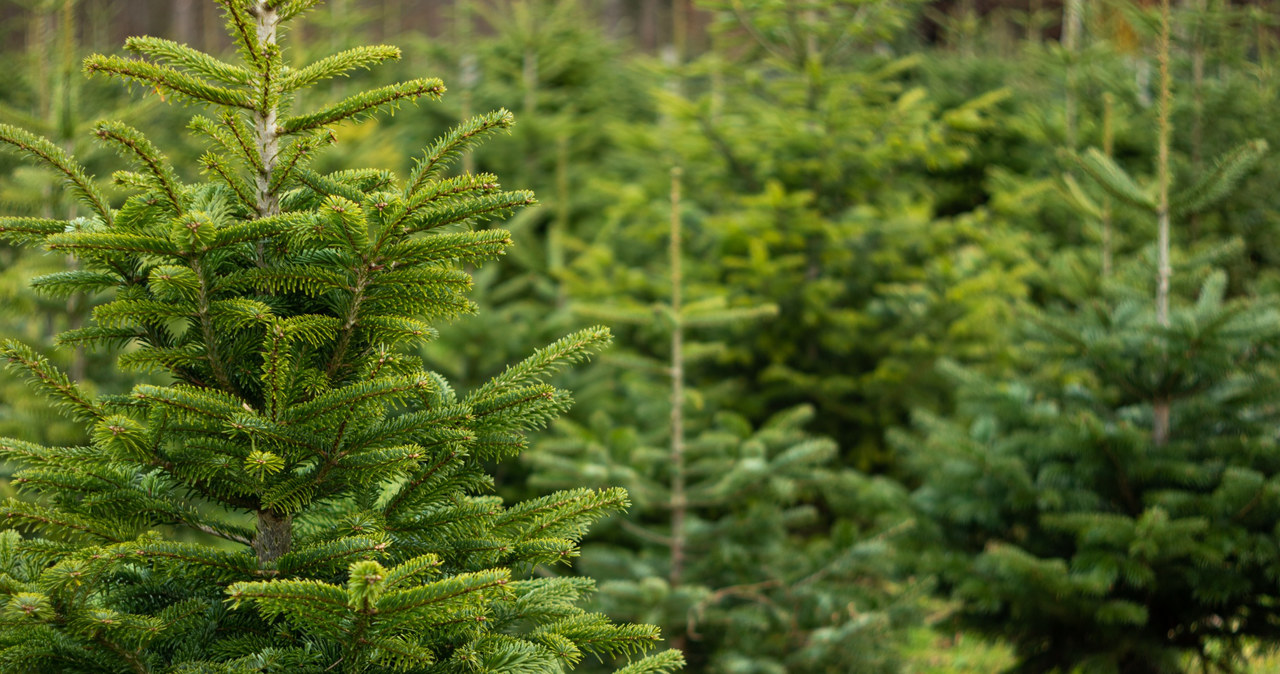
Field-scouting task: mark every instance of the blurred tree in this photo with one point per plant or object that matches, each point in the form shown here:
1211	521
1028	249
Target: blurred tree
751	546
1113	509
48	95
576	90
814	157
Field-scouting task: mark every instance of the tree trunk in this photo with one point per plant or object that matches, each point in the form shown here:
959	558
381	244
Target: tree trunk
1108	148
1163	272
1197	106
1072	22
679	500
211	27
614	15
649	24
274	536
468	67
184	21
1160	408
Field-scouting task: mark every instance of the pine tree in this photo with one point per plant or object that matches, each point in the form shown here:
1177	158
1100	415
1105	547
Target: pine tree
302	497
752	547
1113	509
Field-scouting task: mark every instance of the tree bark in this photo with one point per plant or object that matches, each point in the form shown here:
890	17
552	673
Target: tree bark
1163	272
1161	406
274	536
649	24
1108	148
268	138
184	21
1072	22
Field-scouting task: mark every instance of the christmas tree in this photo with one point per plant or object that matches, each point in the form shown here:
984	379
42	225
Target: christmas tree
752	547
846	231
48	95
301	497
1114	509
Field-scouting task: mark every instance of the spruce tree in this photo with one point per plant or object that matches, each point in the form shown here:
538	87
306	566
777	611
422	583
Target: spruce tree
1114	508
301	496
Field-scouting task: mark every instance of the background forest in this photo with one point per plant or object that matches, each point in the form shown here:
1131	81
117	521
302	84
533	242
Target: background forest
945	333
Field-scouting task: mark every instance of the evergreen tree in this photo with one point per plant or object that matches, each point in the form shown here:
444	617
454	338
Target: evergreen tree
1114	509
575	89
838	225
1027	187
752	547
48	95
335	488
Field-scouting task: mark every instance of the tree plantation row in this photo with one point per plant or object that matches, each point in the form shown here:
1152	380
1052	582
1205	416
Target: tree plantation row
840	336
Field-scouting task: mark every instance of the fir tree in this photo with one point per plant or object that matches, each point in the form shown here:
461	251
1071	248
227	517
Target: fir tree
1114	509
842	229
752	547
50	97
549	55
302	497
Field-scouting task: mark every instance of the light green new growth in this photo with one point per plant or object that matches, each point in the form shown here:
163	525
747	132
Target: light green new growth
303	497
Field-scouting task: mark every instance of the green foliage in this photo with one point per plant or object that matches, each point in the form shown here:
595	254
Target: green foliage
1066	522
788	558
1210	189
328	492
577	88
1215	185
46	95
1114	180
893	202
1070	532
1099	510
43	150
800	205
744	541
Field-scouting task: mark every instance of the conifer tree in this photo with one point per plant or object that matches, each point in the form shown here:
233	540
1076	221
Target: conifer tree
549	55
49	96
302	497
1114	509
841	228
752	547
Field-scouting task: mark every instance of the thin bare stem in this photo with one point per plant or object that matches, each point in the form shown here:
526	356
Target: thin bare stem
1162	169
1072	22
1108	148
1160	407
1197	97
468	67
679	500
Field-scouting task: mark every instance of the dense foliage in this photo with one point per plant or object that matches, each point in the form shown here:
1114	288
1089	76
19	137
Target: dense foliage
919	344
1111	509
1068	530
708	550
302	496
